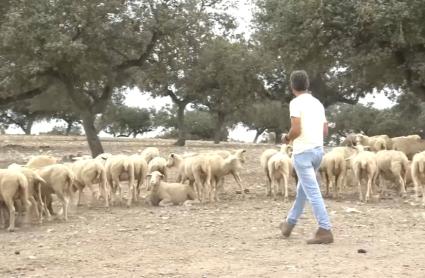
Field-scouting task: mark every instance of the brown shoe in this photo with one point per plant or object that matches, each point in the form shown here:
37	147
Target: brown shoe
286	228
322	236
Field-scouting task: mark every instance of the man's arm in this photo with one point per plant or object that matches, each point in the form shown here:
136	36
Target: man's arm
325	129
294	132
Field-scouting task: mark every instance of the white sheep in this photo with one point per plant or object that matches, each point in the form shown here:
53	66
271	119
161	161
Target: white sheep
34	189
418	174
158	164
221	167
375	143
178	161
333	170
393	165
364	166
13	184
120	168
149	153
410	145
87	173
165	193
140	172
279	170
59	181
39	161
197	170
264	159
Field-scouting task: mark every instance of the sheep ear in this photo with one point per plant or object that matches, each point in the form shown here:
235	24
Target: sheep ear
149	175
172	155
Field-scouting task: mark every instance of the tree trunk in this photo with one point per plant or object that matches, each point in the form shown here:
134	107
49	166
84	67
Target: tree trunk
91	135
27	127
219	127
258	132
181	141
68	128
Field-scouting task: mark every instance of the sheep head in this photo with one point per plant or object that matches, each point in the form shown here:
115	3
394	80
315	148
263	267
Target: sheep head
155	179
240	154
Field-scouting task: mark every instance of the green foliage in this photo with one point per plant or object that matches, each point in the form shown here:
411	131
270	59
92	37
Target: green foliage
20	115
200	125
120	120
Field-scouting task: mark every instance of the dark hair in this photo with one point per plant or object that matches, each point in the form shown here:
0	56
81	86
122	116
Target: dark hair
299	80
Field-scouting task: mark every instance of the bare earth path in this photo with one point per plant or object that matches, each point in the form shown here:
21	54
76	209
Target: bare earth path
234	238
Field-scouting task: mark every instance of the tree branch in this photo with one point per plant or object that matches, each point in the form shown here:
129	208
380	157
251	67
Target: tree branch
27	95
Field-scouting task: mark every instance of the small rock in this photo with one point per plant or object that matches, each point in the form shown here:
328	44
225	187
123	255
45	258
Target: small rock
32	257
17	253
50	230
361	251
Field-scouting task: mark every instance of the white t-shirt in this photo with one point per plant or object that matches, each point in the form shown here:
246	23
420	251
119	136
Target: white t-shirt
312	114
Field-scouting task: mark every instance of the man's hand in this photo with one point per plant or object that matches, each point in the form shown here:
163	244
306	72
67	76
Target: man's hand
284	139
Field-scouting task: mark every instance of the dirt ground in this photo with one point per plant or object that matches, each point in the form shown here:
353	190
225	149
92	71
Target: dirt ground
232	238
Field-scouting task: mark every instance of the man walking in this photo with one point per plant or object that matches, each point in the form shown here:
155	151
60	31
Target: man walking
308	127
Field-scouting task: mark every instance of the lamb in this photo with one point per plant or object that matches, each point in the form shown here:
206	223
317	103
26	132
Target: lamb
88	173
165	193
393	165
333	170
59	181
118	168
375	143
40	161
13	185
34	189
418	175
221	167
364	166
178	161
149	153
279	169
158	164
410	145
140	172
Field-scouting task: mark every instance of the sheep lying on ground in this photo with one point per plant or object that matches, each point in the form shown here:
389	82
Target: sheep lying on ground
364	166
39	161
59	181
34	189
88	173
165	193
149	153
279	170
410	145
393	165
13	185
418	174
158	164
375	143
119	168
140	173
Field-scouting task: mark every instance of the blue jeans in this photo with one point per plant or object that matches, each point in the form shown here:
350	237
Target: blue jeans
306	165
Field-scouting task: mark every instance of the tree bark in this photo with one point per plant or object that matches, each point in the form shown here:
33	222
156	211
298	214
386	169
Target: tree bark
219	127
181	141
91	135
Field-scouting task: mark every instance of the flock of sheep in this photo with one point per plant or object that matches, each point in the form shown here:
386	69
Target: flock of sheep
27	189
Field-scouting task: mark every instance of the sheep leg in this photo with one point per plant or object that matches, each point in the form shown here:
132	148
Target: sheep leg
368	189
2	218
198	184
275	188
359	186
11	207
238	180
165	203
285	186
402	186
36	211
